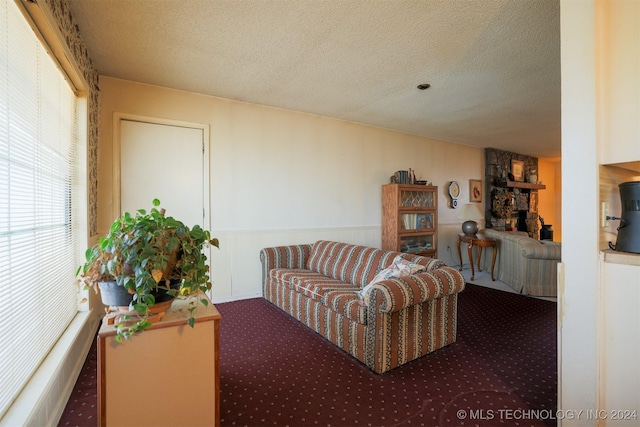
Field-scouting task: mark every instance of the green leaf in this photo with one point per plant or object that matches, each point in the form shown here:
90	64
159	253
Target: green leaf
149	299
173	243
156	202
144	325
140	281
140	308
88	254
204	302
173	223
103	243
198	234
192	321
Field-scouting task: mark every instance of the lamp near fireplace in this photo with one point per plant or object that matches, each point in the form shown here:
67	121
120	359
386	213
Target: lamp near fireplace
469	213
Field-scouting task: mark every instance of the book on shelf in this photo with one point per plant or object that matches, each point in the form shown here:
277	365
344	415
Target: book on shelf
417	221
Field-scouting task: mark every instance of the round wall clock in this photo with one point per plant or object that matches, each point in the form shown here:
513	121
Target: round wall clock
454	192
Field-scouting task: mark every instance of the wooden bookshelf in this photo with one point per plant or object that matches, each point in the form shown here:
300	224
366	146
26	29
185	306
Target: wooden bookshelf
410	219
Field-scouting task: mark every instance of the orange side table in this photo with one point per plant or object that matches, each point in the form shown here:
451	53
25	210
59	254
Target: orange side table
175	359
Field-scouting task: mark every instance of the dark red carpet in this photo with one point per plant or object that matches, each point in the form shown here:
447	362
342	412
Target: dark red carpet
502	371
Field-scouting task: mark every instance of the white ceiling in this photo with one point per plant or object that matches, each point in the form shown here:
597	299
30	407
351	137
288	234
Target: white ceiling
493	65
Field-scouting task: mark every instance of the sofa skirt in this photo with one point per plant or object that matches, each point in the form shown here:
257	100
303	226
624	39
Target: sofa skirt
388	340
341	331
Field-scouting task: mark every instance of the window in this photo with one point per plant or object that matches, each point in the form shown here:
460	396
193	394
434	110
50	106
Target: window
39	184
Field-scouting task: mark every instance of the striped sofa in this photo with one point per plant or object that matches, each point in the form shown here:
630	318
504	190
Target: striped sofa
407	317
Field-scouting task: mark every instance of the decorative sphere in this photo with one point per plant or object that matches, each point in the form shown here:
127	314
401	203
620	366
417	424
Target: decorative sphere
469	228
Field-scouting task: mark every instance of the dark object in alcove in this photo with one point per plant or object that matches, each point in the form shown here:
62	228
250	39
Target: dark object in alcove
629	230
522	220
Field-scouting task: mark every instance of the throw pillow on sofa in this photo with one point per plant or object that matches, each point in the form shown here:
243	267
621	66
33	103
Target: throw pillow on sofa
398	268
405	265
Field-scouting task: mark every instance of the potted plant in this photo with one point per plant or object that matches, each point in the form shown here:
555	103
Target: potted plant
148	256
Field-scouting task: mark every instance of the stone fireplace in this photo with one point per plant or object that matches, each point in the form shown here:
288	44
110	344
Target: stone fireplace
512	199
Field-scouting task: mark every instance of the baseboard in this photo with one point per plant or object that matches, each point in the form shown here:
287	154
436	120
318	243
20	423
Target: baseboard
237	298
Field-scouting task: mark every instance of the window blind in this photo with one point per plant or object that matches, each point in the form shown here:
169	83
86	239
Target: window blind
38	175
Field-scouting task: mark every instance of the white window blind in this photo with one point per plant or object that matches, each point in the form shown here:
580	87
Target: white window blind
38	146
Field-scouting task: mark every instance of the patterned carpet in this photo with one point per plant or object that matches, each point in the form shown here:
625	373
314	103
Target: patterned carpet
502	371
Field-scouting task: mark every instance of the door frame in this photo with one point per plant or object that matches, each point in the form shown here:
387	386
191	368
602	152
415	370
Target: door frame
116	158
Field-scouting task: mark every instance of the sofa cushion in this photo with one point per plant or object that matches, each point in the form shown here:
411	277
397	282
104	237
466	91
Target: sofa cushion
346	303
339	296
355	264
290	276
307	282
349	263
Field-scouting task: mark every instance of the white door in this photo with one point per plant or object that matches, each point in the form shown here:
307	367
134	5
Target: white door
165	162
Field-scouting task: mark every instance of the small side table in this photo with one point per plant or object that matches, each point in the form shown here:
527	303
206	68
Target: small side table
481	242
193	358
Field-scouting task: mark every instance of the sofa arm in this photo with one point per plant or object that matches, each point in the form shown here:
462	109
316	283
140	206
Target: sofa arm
292	256
393	295
536	250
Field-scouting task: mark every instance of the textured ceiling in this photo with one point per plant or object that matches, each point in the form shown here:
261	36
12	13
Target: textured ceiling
493	65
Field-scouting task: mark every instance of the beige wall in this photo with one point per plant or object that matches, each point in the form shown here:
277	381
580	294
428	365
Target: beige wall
618	68
600	104
577	283
282	177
